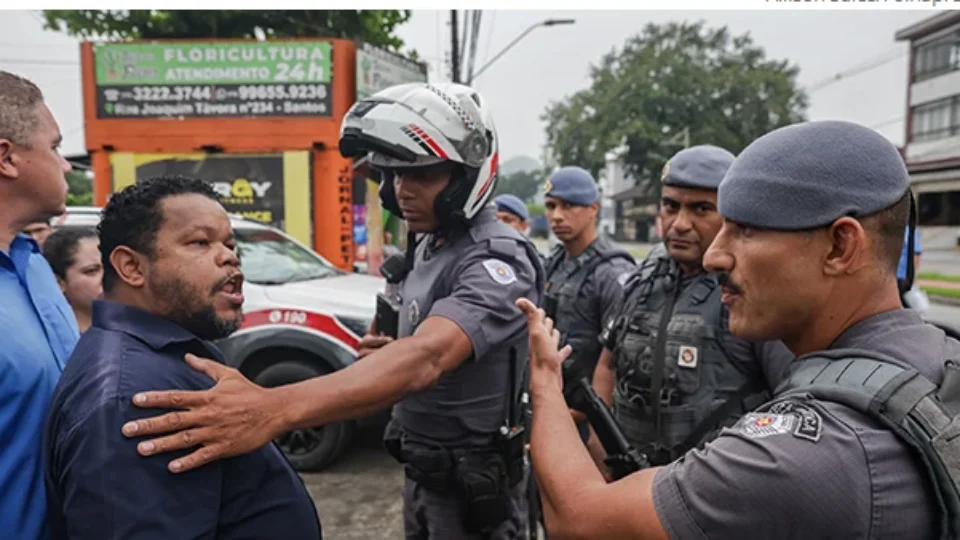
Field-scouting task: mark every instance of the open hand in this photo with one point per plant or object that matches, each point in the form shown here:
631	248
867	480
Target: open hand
545	360
234	417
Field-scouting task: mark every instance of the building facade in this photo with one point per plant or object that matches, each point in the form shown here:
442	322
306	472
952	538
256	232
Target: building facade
932	141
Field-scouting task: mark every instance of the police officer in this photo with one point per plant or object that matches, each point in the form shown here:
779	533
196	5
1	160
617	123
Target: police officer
814	218
669	366
586	272
454	370
512	211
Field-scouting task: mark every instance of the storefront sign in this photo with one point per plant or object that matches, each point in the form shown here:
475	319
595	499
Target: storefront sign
213	79
378	69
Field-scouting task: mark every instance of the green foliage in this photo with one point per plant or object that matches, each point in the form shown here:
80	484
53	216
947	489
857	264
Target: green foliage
668	78
535	210
523	184
376	27
80	191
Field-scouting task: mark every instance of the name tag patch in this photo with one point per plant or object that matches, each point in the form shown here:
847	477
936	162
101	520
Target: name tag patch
500	271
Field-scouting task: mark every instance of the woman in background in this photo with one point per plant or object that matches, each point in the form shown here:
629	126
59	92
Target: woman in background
74	255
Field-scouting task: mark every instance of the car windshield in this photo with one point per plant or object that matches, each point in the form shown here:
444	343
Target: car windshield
269	258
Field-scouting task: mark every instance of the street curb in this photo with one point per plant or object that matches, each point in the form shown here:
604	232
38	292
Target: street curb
945	300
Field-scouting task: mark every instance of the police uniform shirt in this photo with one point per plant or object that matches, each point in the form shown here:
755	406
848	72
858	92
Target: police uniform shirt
471	280
812	469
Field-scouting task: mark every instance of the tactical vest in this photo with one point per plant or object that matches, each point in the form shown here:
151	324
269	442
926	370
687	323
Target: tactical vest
565	281
924	415
467	405
669	345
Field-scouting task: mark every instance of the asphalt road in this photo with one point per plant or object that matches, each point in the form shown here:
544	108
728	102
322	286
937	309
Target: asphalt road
359	497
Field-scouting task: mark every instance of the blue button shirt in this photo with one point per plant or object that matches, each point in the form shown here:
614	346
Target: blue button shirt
38	330
100	488
902	267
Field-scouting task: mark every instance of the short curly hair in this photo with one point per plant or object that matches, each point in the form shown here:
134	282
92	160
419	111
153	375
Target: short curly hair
132	217
61	248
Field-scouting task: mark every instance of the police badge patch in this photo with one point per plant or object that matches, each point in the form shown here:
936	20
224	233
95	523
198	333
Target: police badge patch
622	280
760	425
810	423
499	271
687	357
784	417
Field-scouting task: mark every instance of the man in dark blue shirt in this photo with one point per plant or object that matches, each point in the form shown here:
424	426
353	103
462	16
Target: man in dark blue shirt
172	283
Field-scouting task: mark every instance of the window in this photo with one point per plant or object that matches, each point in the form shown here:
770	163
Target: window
269	258
937	57
937	120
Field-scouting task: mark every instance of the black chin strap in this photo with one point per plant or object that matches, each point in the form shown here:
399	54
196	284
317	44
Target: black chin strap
411	249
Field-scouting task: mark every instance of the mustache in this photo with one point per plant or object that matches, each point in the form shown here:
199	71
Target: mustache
727	282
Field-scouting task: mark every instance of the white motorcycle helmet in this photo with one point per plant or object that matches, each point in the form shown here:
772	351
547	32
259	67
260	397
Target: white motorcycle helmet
424	125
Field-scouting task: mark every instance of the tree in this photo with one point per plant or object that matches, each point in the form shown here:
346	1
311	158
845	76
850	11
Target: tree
523	184
376	27
80	192
668	81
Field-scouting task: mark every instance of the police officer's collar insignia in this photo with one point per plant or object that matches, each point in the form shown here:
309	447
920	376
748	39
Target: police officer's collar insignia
414	313
665	172
499	271
547	186
687	357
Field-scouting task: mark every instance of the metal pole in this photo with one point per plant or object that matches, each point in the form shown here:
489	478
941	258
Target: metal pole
548	22
454	48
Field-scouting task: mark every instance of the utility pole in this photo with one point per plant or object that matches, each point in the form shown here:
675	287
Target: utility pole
454	48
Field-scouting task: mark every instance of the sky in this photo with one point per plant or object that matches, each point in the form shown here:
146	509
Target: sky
553	62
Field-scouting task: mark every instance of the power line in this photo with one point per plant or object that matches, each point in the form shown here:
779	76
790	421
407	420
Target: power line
42	62
856	70
486	50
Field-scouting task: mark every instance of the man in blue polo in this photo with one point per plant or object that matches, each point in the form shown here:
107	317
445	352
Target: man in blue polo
38	326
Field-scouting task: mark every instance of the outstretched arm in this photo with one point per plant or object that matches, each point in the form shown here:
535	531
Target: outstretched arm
236	416
577	499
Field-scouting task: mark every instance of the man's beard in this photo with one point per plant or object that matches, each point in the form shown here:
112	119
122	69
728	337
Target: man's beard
179	306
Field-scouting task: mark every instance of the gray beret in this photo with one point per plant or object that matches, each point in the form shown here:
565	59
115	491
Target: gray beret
573	185
807	175
698	167
512	204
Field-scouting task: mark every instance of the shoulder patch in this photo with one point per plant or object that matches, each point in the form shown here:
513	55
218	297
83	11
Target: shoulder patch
622	280
810	423
783	417
761	425
500	271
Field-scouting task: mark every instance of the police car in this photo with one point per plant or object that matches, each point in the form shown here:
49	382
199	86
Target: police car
302	317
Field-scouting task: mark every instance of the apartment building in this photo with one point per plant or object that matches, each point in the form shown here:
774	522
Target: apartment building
932	142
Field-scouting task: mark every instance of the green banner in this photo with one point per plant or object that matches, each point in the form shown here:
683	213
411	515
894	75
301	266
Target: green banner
225	62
